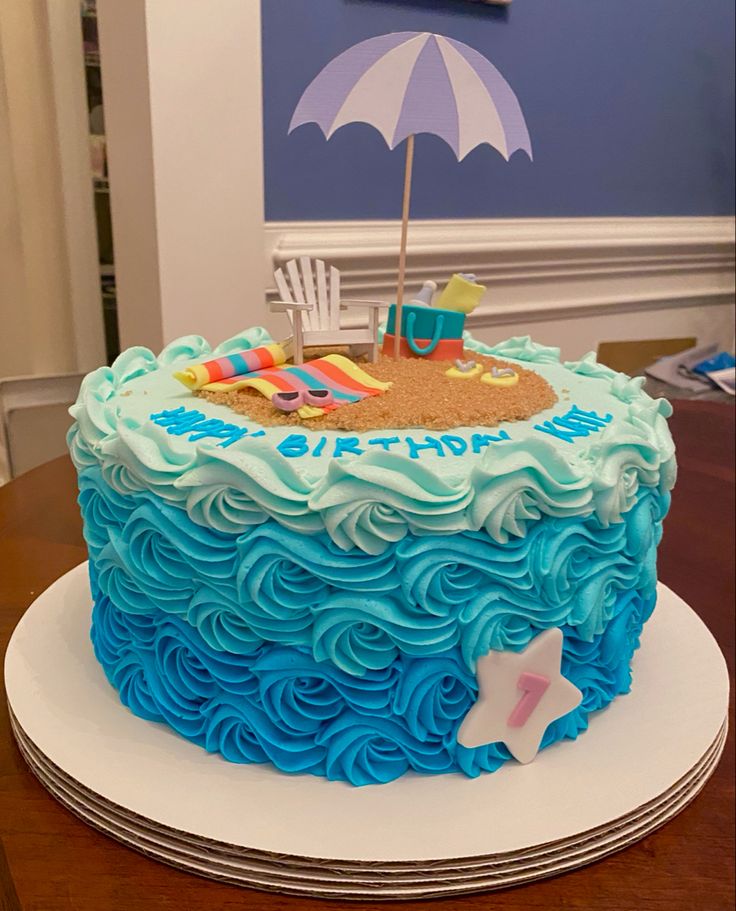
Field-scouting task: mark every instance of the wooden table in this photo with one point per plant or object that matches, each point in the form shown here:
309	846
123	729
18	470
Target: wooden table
49	860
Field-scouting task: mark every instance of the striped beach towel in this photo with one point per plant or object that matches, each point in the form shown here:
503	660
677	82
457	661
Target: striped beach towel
347	382
231	365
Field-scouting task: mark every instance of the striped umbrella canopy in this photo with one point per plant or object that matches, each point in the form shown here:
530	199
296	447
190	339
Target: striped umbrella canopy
406	83
417	82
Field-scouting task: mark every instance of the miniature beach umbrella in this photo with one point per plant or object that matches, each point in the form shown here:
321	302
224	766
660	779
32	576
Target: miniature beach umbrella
406	83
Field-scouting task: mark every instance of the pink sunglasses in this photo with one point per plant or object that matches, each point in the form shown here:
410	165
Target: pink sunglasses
292	401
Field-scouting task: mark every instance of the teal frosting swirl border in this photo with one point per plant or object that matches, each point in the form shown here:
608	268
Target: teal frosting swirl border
373	500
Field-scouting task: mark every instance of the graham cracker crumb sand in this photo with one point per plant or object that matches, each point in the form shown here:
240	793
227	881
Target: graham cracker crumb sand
421	396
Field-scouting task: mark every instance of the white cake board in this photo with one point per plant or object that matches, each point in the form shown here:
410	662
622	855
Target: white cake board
642	760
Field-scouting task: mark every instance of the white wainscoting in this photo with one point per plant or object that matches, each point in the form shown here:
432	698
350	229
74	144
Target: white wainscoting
572	282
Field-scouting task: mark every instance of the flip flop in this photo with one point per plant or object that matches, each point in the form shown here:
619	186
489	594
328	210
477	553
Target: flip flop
464	370
503	377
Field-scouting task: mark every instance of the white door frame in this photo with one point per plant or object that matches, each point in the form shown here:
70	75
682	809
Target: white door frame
72	132
183	118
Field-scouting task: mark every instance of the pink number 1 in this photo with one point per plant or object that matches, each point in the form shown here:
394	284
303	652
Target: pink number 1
533	686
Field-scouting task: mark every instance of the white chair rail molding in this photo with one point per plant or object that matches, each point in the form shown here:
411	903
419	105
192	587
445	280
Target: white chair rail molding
597	278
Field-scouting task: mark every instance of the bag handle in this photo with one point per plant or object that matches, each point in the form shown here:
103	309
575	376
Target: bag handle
432	343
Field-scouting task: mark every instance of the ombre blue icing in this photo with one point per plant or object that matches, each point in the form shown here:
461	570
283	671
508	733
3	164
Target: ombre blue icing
420	597
320	601
279	705
274	646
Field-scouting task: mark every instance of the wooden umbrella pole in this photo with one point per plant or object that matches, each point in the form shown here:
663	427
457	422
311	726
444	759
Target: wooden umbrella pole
402	253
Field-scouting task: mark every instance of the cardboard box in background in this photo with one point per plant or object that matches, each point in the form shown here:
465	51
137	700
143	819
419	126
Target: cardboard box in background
633	357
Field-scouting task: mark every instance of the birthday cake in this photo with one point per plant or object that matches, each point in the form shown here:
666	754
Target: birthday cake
357	569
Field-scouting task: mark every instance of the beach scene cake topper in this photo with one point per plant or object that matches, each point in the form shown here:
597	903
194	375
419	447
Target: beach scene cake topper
402	84
406	83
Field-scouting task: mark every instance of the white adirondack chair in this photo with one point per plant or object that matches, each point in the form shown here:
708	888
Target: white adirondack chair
310	296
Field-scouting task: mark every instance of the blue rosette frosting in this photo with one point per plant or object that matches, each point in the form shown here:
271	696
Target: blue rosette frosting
326	615
280	704
420	597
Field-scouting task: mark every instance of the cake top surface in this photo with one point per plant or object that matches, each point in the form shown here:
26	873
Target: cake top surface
420	393
587	453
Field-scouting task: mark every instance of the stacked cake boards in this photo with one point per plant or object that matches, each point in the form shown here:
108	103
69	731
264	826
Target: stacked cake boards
417	837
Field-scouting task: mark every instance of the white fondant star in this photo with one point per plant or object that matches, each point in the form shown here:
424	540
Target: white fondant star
519	694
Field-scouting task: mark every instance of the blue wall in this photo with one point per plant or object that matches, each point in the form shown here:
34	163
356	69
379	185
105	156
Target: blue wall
630	106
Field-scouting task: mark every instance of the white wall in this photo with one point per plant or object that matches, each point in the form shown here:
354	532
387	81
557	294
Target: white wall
182	88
